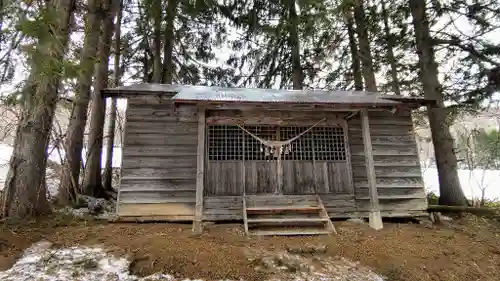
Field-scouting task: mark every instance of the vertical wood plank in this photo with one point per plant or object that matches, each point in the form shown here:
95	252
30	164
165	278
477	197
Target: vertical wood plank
251	178
315	176
235	186
279	164
200	163
347	149
375	219
243	166
288	181
326	177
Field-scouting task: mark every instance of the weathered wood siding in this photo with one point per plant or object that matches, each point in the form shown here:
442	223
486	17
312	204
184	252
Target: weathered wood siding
217	208
399	178
299	177
159	160
159	168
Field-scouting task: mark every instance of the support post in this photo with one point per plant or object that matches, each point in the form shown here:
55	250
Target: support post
375	219
279	164
200	171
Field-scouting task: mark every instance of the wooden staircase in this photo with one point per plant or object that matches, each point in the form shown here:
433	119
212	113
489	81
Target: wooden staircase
285	215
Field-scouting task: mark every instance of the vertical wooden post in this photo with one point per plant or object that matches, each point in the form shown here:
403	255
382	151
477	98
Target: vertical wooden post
315	176
375	219
200	171
243	167
347	150
279	165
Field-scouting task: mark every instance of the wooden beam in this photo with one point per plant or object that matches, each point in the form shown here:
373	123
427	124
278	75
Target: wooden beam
266	120
272	117
375	219
200	171
296	107
479	211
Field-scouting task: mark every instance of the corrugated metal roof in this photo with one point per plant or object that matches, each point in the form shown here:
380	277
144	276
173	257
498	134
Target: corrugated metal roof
144	88
190	93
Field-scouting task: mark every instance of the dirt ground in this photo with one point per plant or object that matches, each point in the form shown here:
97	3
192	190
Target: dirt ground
466	249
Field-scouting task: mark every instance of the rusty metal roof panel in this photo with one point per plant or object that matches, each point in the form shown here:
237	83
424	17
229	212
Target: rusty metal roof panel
278	96
191	93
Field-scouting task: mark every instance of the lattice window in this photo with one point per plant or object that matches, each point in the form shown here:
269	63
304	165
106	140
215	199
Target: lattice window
254	150
301	148
227	142
329	144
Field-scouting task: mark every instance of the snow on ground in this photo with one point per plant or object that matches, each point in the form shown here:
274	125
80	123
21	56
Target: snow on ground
97	207
42	262
472	182
6	152
52	182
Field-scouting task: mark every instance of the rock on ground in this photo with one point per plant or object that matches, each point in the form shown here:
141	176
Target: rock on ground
309	267
356	220
98	207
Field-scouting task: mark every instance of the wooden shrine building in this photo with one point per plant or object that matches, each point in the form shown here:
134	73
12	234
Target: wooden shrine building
283	161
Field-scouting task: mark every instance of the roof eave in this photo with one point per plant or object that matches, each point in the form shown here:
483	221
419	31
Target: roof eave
120	93
319	105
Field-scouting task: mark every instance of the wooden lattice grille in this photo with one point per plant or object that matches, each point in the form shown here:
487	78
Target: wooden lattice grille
321	143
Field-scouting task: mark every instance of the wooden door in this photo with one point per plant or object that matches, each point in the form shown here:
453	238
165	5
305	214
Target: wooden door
317	162
237	163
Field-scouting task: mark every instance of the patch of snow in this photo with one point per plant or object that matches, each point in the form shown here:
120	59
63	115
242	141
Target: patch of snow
78	212
472	182
52	184
312	268
42	262
98	207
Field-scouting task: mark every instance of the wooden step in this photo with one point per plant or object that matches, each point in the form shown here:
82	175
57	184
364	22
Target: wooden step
290	232
265	209
282	217
280	200
286	220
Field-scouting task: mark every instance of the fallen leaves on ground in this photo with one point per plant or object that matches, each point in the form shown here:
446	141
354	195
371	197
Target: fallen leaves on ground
463	249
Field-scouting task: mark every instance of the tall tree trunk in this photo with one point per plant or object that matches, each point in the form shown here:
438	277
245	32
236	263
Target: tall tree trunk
145	61
156	13
2	7
92	184
297	74
108	169
450	190
168	45
364	46
70	177
25	190
390	50
353	46
142	24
